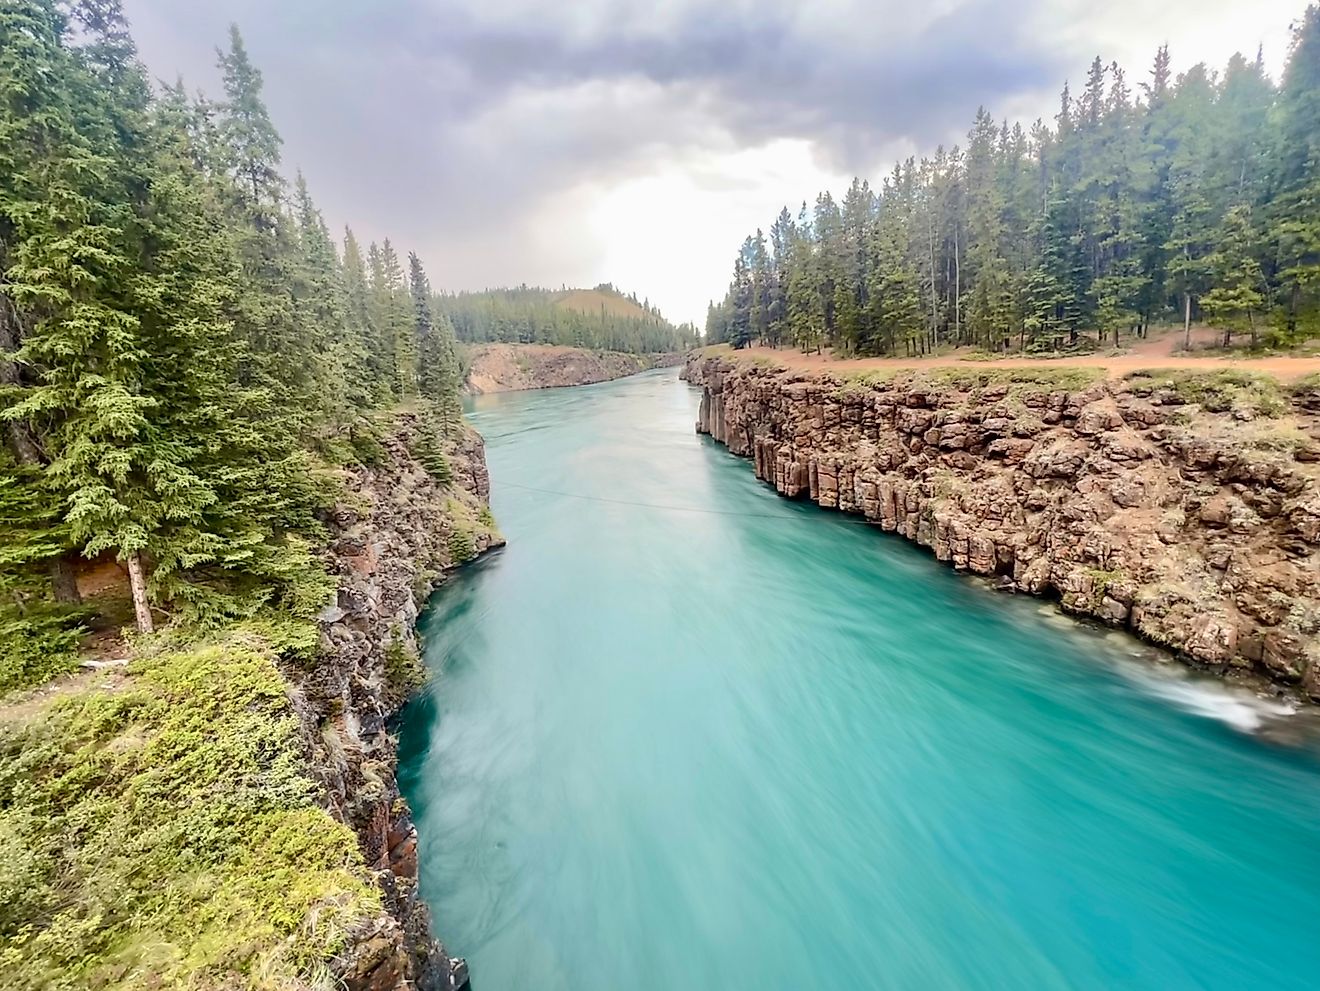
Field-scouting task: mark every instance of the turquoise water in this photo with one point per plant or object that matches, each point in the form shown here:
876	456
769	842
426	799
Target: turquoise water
761	746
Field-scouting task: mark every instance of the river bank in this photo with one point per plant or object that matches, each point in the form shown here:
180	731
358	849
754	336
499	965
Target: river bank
685	730
1182	506
216	804
518	367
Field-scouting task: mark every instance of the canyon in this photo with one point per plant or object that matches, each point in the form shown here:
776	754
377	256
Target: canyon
1183	507
517	367
397	532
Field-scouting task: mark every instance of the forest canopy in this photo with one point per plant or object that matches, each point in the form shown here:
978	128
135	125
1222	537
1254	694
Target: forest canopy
602	318
1195	197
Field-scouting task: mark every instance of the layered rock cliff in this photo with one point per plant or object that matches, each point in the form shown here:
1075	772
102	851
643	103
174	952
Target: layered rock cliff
404	523
1182	507
515	367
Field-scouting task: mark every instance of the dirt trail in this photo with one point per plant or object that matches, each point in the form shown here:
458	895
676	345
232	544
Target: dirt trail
1144	355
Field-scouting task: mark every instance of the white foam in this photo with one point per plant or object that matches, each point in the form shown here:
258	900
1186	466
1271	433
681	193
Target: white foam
1240	709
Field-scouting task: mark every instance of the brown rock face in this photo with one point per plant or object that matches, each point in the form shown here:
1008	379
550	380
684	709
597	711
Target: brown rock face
516	367
1196	530
391	545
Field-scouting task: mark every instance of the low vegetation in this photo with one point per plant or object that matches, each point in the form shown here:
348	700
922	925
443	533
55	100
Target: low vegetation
1220	391
157	830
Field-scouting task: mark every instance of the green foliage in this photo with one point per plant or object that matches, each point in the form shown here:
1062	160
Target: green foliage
367	438
1059	378
429	449
462	548
180	342
1229	390
36	646
1199	199
404	670
486	518
1101	581
158	831
603	319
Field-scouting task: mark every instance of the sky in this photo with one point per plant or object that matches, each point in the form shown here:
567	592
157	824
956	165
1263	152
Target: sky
639	141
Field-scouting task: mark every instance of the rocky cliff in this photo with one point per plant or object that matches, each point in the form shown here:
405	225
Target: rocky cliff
405	522
1182	507
515	367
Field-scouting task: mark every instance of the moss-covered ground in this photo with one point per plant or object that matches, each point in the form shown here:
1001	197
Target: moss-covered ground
157	830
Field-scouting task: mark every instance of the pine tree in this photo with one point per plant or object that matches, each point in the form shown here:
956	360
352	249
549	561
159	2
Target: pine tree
1236	297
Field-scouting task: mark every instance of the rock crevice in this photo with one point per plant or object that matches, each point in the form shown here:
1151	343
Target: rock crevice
1127	500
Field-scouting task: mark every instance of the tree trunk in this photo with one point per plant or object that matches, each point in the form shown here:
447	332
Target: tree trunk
1187	321
138	583
934	305
1251	322
64	580
957	289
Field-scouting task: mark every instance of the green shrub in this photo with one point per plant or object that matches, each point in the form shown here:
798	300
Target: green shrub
429	450
36	647
1219	391
462	548
367	439
403	668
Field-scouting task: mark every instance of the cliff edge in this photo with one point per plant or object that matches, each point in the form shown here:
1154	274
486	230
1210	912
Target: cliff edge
517	367
404	523
1182	506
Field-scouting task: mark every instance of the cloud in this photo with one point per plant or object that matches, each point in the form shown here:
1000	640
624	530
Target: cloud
479	131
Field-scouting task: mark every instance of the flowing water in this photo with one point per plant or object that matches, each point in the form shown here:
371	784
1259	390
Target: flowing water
684	733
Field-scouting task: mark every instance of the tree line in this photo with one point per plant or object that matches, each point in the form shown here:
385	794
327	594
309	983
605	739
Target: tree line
1183	199
529	315
185	350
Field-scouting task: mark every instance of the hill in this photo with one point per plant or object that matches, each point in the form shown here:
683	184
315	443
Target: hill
602	318
603	299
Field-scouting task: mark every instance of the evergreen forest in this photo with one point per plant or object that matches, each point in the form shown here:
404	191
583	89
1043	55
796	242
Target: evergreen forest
1169	199
187	353
602	318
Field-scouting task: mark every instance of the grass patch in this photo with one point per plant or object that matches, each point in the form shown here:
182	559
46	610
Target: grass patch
1101	581
855	381
1067	378
156	830
1228	390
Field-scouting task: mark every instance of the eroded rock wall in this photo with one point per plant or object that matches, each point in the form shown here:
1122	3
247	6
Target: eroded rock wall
396	534
1196	530
517	367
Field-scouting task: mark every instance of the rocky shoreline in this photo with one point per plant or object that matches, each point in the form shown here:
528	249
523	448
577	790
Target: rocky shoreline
395	536
520	367
1182	508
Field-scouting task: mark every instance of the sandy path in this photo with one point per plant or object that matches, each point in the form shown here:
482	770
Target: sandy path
1145	355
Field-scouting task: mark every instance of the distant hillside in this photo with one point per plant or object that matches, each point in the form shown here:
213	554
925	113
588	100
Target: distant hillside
603	298
602	318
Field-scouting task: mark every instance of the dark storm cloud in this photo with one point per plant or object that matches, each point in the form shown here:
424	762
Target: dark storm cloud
453	119
767	74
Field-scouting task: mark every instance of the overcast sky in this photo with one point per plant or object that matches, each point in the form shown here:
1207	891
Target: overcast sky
638	141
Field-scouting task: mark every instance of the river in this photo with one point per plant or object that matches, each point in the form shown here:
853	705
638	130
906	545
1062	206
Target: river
685	733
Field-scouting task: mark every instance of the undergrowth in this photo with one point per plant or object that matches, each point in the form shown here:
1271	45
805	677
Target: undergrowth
156	830
1220	391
